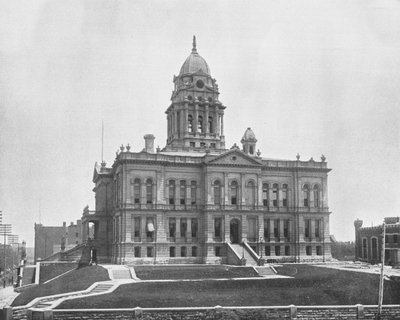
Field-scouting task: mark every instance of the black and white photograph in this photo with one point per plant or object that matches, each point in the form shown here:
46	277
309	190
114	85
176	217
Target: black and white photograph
226	159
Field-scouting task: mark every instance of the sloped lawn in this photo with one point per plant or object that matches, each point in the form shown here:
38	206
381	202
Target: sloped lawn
79	279
50	271
193	272
309	286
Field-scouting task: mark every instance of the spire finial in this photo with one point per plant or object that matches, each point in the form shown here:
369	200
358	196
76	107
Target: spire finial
194	50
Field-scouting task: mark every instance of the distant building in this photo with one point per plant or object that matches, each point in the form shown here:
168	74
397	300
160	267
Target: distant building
368	245
50	240
196	201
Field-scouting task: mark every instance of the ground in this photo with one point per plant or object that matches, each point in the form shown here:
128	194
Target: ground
307	285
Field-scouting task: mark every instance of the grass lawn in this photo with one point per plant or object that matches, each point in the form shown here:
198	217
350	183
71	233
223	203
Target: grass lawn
79	279
54	270
193	272
310	285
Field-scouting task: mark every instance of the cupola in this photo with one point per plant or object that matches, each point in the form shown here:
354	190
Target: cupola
249	142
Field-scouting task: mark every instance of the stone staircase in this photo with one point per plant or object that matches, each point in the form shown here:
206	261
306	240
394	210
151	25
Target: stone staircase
265	271
241	250
119	274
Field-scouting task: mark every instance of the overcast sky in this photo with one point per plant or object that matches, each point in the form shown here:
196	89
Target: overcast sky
309	77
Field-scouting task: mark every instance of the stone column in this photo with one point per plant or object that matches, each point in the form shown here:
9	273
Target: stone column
189	230
259	191
225	193
271	230
207	129
178	229
185	121
270	201
281	233
217	122
222	123
242	190
143	235
142	191
196	117
312	231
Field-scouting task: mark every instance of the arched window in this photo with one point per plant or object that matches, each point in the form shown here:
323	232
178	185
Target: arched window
171	191
316	196
136	191
210	125
234	192
149	191
190	123
182	192
306	195
217	192
285	195
200	124
251	195
193	191
275	195
265	194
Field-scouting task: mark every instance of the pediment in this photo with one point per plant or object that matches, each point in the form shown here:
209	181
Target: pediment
234	157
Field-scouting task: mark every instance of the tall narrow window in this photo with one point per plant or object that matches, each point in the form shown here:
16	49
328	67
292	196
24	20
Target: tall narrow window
195	227
210	124
307	228
136	228
285	195
193	191
217	227
306	195
286	228
374	247
183	227
251	194
182	192
317	228
364	247
190	123
316	196
200	124
136	191
234	192
171	192
150	229
194	251
276	228
149	191
266	229
217	192
275	194
172	227
265	194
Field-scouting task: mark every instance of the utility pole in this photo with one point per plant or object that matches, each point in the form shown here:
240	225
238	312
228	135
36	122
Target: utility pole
382	275
5	229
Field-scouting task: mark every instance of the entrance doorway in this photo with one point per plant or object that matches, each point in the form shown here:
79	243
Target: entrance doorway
235	231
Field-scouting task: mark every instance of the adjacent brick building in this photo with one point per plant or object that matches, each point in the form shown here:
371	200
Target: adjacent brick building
369	242
196	201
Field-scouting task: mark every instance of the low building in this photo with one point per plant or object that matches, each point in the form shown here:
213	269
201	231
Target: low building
50	240
368	245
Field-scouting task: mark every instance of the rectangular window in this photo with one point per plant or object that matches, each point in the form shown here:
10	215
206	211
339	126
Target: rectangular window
171	192
202	144
217	227
307	228
275	197
276	229
265	195
395	238
284	198
150	229
267	250
212	145
194	251
193	191
287	250
319	251
172	227
136	229
217	251
277	250
183	252
137	252
305	198
183	227
317	228
150	252
182	192
195	227
77	234
387	239
266	229
286	228
308	250
192	144
172	252
149	192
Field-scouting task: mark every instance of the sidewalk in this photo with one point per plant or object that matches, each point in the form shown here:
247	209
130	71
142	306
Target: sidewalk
7	295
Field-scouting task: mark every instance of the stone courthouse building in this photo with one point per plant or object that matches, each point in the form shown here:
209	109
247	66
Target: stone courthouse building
197	201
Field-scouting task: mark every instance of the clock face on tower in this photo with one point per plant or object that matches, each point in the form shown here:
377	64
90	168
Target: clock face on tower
199	84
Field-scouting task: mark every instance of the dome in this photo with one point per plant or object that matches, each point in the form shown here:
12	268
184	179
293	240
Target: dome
249	135
194	62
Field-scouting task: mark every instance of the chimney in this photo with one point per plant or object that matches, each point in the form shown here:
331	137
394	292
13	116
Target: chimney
149	143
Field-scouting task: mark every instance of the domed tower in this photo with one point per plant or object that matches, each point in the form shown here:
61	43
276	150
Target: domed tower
249	142
195	116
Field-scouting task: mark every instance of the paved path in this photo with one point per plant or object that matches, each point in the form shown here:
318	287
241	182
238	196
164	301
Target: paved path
361	267
7	295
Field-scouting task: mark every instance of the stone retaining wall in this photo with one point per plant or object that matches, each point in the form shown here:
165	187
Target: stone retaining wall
231	313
